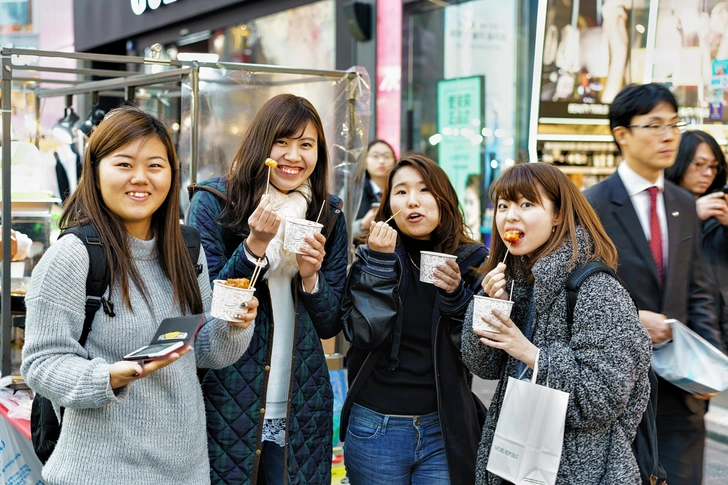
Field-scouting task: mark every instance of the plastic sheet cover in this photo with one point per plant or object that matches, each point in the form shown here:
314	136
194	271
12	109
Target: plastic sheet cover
229	99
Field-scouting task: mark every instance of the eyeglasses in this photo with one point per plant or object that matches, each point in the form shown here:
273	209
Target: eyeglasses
701	166
380	156
658	129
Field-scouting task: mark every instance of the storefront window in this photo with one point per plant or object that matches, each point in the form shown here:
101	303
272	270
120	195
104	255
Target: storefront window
459	102
15	16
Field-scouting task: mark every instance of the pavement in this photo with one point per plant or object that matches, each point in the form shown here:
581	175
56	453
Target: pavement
716	419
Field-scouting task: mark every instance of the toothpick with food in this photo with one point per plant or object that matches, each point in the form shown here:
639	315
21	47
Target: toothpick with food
272	165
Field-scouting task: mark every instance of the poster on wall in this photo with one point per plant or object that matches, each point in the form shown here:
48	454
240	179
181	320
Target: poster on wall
592	49
460	151
585	56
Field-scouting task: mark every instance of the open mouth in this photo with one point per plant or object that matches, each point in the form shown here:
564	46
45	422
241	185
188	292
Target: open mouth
290	170
415	217
513	236
138	195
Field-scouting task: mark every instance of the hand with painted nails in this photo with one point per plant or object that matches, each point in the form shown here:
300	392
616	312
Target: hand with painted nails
263	223
124	372
248	312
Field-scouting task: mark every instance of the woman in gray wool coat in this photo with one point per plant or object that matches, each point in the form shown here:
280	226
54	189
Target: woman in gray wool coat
602	360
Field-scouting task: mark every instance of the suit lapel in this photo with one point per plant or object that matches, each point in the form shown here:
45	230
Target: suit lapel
673	231
625	215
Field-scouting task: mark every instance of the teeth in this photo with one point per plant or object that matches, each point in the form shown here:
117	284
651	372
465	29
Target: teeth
289	170
138	194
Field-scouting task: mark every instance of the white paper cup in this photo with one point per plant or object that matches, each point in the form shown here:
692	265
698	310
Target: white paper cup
226	301
428	264
483	306
296	231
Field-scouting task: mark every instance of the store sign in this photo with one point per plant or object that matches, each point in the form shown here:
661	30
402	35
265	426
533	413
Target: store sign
460	125
140	6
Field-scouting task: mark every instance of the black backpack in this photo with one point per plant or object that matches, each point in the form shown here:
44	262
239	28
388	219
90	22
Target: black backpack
44	424
644	445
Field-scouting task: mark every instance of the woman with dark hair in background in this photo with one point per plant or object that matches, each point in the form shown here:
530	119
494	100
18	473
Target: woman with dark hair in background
380	160
124	422
700	167
410	414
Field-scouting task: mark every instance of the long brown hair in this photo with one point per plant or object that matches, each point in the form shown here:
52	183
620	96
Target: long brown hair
121	127
570	208
451	231
280	117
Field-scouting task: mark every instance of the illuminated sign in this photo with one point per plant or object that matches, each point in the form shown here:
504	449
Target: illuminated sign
140	6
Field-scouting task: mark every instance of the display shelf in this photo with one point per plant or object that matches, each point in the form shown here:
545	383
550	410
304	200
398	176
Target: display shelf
578	169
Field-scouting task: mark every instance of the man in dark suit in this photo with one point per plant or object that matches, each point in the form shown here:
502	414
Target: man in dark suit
656	230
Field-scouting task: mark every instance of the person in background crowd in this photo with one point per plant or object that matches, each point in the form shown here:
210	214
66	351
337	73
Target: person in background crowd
270	415
124	422
409	416
700	167
602	360
380	160
655	228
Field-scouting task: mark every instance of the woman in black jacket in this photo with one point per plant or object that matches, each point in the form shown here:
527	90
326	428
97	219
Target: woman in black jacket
700	167
409	416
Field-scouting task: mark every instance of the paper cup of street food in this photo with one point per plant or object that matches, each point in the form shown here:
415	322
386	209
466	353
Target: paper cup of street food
483	306
296	232
428	264
228	297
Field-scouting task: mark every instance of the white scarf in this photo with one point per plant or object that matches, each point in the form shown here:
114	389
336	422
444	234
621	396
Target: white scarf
292	205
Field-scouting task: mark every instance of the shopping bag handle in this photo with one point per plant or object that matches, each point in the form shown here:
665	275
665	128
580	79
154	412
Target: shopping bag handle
534	376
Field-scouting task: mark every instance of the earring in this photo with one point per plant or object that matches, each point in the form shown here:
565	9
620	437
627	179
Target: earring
553	229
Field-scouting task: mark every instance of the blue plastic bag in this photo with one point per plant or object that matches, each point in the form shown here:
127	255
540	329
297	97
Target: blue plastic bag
690	362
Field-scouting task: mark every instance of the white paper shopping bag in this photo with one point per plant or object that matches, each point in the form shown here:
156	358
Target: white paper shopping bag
529	436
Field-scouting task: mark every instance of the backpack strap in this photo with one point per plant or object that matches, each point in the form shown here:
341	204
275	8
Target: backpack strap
98	275
192	188
576	278
192	239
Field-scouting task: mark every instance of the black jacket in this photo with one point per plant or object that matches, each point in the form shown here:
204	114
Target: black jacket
715	251
372	314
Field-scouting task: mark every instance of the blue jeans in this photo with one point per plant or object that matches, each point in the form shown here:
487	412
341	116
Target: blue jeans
394	450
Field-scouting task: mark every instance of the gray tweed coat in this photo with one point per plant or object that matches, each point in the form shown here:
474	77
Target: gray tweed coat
602	361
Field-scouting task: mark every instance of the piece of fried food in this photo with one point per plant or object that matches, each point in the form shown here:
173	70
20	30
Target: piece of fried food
243	283
271	163
512	236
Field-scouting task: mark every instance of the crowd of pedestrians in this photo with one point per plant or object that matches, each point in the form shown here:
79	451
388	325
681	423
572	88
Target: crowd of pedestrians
250	401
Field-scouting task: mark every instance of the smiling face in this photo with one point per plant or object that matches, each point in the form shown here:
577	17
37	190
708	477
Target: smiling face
420	213
296	156
532	220
645	152
134	182
701	171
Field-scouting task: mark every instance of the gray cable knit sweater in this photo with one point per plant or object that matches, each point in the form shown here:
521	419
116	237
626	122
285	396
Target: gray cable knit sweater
150	432
602	361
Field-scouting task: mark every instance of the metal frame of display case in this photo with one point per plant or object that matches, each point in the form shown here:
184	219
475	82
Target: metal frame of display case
127	80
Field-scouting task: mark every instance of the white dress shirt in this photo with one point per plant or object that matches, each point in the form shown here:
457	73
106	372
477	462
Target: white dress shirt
637	186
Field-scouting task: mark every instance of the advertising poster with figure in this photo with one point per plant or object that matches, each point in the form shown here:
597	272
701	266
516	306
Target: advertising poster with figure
585	56
592	49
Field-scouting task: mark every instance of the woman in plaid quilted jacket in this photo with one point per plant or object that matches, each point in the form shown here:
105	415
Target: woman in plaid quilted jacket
269	415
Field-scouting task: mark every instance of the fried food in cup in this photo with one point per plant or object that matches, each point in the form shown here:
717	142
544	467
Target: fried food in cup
243	283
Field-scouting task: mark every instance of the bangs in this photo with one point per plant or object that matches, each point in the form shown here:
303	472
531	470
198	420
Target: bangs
515	183
294	122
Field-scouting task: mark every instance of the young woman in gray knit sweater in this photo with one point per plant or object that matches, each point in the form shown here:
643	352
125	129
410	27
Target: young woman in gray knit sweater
124	422
601	360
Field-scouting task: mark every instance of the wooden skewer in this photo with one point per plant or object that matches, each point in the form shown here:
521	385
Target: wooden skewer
267	183
256	273
508	249
393	216
320	211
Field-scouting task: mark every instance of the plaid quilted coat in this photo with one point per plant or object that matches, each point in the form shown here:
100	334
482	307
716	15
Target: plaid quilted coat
235	395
